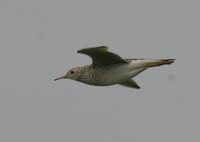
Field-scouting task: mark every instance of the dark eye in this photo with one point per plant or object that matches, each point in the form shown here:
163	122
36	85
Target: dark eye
72	72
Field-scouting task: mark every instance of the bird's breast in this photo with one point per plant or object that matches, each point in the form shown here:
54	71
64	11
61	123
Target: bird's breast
108	75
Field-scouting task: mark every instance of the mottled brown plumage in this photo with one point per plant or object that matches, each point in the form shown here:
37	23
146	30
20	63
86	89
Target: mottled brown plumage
108	68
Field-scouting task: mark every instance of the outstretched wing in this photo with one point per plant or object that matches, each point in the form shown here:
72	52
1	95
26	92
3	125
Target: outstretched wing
130	83
101	56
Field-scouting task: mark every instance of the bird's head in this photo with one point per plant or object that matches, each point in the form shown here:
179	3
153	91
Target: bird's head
73	74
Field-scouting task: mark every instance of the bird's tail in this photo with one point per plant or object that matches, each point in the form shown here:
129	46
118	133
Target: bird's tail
158	62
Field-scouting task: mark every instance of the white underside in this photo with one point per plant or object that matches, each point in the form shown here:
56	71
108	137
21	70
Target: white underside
124	72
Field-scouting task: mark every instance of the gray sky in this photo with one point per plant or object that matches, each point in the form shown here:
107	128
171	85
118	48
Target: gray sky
38	42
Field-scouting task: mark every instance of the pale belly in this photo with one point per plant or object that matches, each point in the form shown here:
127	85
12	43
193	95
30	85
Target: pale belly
116	74
122	75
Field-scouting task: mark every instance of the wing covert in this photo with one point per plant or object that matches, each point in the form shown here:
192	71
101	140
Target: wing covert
101	56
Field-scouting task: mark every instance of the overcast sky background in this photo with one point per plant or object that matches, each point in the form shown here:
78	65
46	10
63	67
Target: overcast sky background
39	40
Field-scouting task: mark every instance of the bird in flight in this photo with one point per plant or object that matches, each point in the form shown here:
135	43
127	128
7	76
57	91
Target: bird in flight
108	68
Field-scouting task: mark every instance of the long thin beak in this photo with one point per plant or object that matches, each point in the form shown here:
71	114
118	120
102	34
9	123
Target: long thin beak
62	77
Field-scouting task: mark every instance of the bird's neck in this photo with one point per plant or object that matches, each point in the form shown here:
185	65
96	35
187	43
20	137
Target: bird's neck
86	72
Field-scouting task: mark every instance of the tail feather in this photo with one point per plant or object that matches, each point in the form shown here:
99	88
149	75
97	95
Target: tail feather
167	61
153	63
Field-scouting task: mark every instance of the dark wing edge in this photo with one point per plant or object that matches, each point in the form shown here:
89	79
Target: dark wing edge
100	48
101	56
130	83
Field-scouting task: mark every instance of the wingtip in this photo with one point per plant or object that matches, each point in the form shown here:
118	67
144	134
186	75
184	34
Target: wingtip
80	51
138	87
102	48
